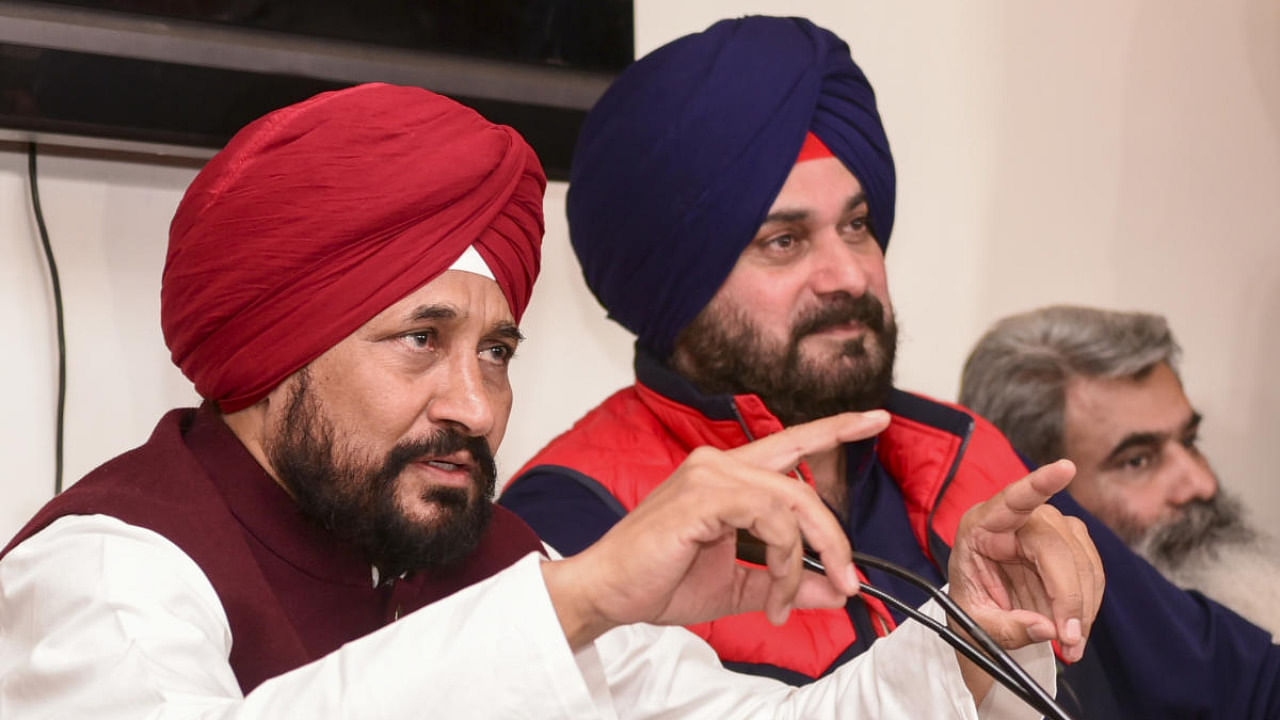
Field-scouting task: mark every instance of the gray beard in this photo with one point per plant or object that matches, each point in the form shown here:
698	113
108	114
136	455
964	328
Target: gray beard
1204	526
1213	550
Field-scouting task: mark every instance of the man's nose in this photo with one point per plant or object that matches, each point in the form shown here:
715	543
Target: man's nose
1195	479
836	267
462	398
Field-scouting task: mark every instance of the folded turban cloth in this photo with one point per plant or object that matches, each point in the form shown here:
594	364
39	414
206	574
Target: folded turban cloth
318	216
679	161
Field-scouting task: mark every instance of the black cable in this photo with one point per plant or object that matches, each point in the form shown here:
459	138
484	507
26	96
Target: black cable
957	642
1045	702
57	306
996	662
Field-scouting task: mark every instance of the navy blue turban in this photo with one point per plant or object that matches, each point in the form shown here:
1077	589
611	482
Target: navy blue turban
678	163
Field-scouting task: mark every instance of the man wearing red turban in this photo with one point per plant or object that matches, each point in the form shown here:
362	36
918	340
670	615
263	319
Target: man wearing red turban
343	286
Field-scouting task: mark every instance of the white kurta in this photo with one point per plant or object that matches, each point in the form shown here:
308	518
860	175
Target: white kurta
104	620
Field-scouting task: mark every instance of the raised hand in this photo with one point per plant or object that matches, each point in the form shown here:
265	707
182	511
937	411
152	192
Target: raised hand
671	560
1025	572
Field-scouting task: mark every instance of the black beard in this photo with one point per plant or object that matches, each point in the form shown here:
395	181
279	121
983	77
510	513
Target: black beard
1203	526
358	503
723	353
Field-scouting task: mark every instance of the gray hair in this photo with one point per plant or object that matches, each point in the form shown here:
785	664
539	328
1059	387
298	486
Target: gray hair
1017	374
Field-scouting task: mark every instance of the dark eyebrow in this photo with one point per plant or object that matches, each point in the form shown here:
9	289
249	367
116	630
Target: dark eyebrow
782	216
508	331
1153	439
505	330
1139	439
434	312
858	200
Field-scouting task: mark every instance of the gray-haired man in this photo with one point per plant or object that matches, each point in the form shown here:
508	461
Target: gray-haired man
1102	388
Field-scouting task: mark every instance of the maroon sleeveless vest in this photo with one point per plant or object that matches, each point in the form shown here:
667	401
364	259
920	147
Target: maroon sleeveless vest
292	593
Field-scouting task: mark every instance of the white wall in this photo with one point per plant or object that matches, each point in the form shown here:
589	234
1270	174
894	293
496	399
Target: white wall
107	222
1123	153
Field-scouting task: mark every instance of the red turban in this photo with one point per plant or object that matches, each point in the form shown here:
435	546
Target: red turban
320	215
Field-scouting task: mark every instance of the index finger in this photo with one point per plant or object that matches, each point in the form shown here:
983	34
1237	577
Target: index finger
1011	507
767	509
783	450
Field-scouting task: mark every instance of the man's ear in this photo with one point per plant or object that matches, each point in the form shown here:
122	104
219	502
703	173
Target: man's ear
255	425
250	422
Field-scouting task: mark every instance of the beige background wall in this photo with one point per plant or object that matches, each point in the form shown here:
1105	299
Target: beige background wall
1122	153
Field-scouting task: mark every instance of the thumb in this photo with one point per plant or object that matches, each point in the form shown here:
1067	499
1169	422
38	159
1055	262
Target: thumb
1012	629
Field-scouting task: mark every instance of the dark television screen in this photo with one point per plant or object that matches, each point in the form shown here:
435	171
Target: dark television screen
587	34
191	73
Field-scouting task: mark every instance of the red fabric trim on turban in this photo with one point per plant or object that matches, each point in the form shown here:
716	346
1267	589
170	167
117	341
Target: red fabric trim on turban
813	149
318	216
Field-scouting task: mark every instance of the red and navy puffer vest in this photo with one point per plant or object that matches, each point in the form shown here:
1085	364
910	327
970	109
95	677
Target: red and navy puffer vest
944	458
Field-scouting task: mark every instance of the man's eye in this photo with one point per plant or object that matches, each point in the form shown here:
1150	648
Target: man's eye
420	338
1136	462
500	354
780	242
860	225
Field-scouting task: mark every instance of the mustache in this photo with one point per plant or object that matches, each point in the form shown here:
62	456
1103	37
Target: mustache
842	309
1203	524
445	441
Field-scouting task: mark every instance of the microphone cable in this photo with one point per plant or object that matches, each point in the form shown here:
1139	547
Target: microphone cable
60	423
1005	669
996	662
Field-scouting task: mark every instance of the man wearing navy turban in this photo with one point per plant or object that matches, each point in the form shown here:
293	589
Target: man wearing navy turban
343	286
730	202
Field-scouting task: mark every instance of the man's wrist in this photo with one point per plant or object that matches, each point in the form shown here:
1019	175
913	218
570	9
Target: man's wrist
581	622
975	678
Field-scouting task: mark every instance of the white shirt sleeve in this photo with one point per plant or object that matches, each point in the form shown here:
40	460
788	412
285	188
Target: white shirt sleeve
100	619
107	620
909	674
